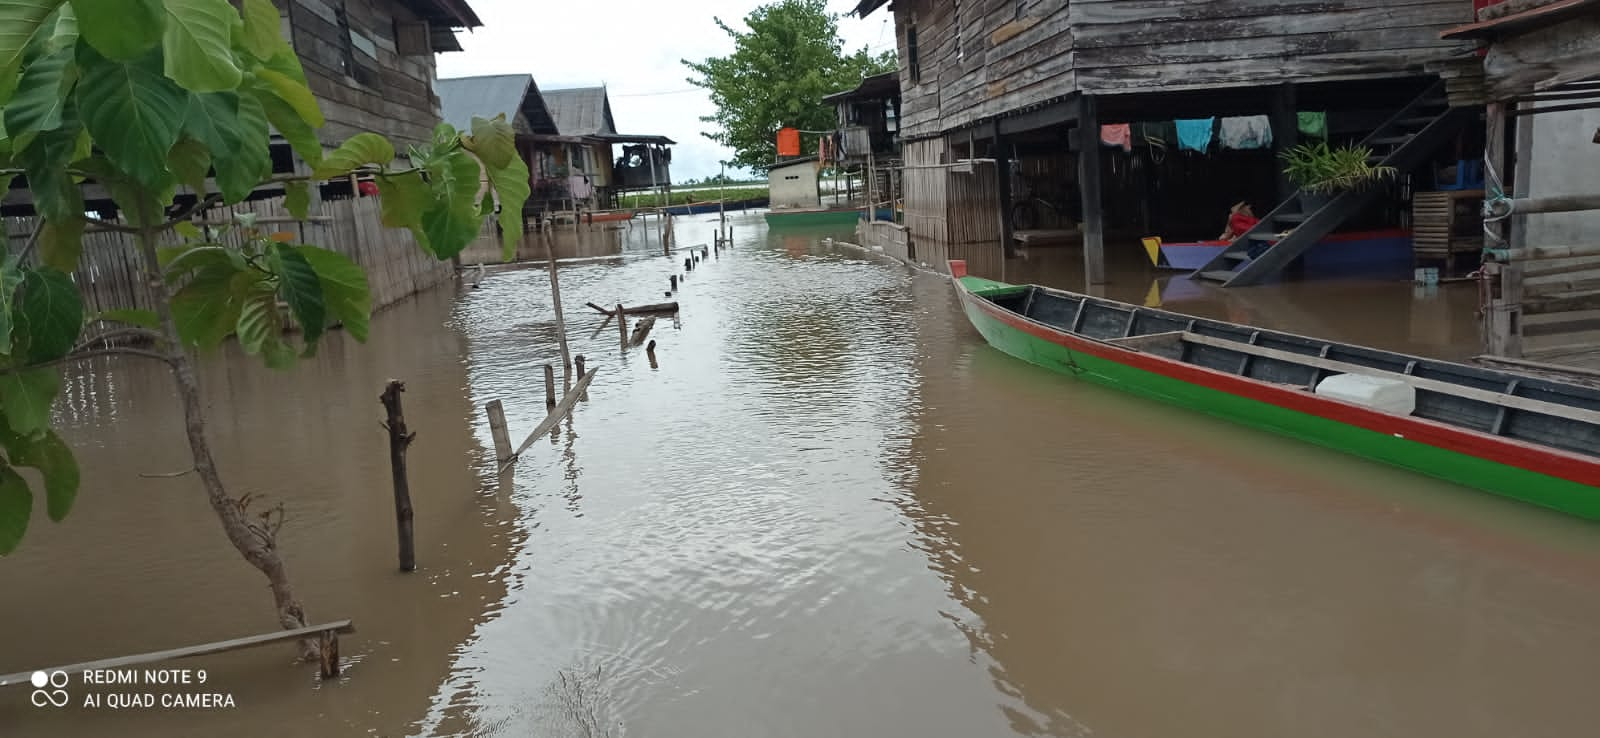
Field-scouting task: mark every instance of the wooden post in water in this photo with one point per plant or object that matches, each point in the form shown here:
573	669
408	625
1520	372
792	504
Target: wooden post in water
650	351
498	429
1094	246
399	441
672	282
555	299
688	265
330	654
549	385
622	325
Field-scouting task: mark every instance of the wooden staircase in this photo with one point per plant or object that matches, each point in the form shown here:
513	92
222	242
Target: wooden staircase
1402	142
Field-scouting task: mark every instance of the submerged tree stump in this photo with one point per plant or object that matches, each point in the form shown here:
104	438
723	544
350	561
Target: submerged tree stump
399	441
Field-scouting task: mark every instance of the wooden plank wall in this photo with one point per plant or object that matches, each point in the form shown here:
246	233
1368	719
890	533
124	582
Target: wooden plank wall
949	203
984	58
1143	45
110	271
396	96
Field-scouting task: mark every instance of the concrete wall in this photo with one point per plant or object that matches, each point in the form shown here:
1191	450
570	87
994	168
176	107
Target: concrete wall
794	186
1565	161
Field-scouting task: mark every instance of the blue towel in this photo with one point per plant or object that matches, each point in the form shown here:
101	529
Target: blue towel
1195	134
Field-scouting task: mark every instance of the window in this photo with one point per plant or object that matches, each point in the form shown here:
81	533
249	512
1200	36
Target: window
913	61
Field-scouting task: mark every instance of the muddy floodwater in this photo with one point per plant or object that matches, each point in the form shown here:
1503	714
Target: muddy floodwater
831	510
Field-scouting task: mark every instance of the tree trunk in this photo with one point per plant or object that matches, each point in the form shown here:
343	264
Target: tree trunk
255	540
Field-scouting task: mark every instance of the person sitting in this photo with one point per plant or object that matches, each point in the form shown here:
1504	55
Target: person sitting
1241	218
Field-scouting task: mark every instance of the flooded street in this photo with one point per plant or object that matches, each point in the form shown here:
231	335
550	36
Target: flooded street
832	510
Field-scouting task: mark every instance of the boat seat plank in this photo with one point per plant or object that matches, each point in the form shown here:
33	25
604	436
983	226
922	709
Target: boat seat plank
1149	339
1432	385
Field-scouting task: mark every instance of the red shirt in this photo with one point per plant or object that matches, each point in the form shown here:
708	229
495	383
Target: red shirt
367	188
1241	224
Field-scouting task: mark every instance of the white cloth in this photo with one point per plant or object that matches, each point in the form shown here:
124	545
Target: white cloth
1246	132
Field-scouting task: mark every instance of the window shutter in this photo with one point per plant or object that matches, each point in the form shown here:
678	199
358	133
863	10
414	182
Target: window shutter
413	38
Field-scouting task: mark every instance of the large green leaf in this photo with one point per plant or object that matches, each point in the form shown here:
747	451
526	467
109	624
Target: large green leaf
298	285
10	280
263	30
511	183
133	112
259	321
61	242
53	309
53	458
242	169
41	97
451	221
344	289
65	31
120	29
207	308
300	135
209	258
190	162
46	158
26	396
16	507
296	94
402	198
297	199
20	21
493	141
197	45
360	150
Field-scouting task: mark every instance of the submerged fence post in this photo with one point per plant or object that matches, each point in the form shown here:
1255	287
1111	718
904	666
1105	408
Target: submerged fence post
555	299
650	351
498	429
549	385
399	441
579	360
622	325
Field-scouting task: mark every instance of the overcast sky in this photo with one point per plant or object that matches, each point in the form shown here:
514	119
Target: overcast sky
633	47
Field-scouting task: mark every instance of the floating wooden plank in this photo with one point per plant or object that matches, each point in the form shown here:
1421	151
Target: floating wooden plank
237	644
661	307
560	411
1432	385
1051	237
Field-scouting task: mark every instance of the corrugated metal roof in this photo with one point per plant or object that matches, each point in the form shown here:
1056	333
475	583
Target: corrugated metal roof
461	98
580	111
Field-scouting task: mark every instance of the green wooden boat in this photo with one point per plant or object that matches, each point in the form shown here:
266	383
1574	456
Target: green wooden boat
813	216
1532	439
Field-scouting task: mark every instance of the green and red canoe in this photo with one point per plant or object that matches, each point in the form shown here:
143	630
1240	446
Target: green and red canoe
1532	439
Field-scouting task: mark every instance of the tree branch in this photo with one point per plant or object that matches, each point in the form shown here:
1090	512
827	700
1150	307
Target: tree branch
106	225
144	333
92	354
33	240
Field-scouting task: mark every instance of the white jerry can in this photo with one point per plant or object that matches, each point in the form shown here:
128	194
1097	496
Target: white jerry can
1379	393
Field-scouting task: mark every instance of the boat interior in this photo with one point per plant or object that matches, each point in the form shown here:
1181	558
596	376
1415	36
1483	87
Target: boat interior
1540	411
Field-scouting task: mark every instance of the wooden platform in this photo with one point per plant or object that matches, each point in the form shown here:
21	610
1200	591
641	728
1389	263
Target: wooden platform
1049	237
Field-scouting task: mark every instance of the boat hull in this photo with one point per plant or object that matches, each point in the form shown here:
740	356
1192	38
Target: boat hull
835	216
1402	442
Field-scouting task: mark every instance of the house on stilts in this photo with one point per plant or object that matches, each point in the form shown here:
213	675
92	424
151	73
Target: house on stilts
1117	124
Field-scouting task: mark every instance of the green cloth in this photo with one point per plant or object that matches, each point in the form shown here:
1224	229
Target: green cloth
1314	125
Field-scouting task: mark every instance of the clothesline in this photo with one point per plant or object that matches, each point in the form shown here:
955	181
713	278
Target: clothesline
1197	134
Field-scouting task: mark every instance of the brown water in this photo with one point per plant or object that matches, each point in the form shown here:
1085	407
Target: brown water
831	511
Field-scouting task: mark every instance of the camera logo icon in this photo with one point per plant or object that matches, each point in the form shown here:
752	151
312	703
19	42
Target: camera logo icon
49	689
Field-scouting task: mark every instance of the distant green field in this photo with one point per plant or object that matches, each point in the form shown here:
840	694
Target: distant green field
652	199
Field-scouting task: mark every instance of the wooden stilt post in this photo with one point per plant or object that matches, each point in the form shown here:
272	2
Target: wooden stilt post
1094	247
549	385
399	441
555	300
1503	311
1285	135
499	430
1002	169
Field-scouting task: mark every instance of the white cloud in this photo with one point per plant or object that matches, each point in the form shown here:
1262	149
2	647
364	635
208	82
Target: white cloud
634	48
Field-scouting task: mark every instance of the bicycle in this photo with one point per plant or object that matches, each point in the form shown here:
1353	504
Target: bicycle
1025	209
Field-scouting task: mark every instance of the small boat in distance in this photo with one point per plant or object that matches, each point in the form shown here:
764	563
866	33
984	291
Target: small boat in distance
1532	439
845	215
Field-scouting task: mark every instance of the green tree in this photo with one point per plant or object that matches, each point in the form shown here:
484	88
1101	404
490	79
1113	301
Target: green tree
777	75
139	96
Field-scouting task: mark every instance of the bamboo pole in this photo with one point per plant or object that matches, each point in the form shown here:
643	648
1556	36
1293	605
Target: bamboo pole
555	299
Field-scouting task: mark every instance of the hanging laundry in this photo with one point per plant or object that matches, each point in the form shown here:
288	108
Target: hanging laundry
1246	132
1117	134
1157	135
1194	134
1313	125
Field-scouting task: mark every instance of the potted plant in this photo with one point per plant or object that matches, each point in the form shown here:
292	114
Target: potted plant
1322	172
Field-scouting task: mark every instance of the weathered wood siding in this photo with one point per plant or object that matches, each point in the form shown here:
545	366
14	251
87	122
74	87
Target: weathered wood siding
979	58
388	93
1142	45
983	58
949	203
